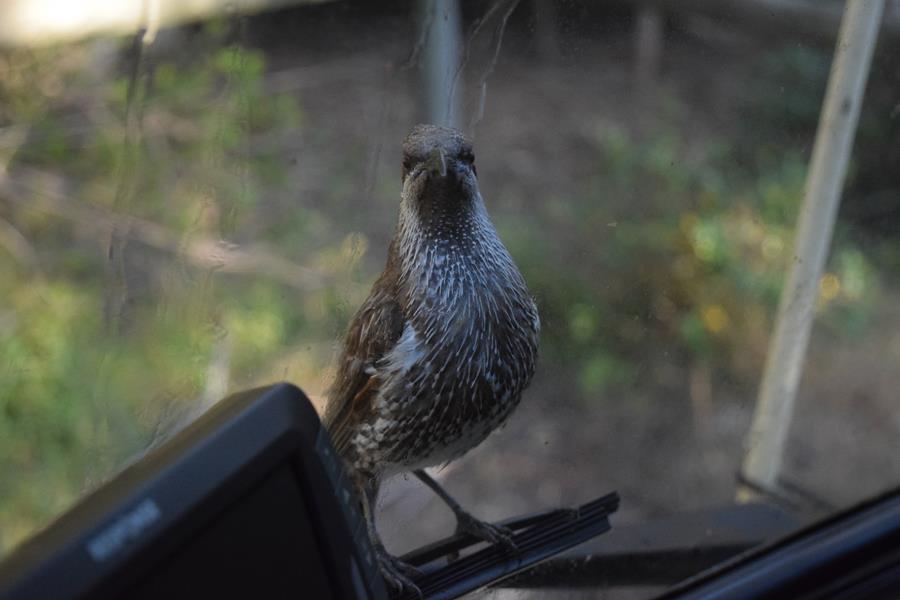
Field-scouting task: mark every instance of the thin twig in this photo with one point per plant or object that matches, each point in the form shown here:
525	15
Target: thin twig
482	83
413	59
474	30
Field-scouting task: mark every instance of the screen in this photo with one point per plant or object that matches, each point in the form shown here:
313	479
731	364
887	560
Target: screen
263	545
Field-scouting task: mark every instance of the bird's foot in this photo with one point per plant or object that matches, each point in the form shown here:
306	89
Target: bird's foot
490	533
397	574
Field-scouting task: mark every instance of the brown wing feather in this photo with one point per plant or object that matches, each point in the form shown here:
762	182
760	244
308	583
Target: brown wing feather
373	332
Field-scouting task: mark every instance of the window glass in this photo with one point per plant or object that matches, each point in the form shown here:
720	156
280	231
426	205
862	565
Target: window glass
201	205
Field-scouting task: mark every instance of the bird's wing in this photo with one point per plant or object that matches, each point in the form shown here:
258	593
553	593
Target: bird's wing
373	332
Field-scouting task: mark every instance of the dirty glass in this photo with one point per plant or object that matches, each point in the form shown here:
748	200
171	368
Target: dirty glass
195	203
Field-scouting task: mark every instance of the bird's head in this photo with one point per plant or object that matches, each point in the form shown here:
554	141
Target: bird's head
438	170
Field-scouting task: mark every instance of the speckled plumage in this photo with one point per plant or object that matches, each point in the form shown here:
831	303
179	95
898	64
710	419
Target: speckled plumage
438	355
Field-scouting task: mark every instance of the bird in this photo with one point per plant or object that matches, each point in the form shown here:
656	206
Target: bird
438	355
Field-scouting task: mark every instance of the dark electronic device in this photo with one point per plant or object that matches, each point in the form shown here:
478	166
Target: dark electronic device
248	501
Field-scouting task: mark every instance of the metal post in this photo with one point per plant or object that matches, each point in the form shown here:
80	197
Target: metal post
442	52
828	167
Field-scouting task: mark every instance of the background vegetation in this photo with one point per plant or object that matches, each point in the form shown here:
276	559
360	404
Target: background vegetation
186	219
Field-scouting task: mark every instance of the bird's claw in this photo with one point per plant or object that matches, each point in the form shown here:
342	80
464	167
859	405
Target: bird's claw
397	574
490	533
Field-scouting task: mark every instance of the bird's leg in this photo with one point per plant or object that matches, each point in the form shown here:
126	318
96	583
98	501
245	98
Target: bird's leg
465	522
396	573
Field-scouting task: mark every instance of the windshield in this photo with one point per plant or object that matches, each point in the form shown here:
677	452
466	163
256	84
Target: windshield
197	200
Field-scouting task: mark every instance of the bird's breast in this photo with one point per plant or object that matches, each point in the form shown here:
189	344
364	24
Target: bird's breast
467	350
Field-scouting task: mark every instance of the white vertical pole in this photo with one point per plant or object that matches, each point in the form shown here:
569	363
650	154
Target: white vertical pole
442	54
828	167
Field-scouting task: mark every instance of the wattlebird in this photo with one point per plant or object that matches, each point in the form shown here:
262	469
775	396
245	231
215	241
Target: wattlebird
438	355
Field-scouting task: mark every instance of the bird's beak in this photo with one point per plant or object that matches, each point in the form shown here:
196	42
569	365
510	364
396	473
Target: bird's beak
437	162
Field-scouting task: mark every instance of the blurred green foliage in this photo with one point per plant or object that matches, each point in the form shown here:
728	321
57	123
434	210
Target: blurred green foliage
689	270
789	86
99	353
666	255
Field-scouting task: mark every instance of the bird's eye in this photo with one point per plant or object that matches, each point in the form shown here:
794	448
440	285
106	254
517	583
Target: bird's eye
408	164
468	157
